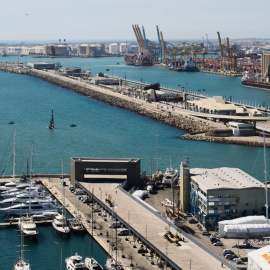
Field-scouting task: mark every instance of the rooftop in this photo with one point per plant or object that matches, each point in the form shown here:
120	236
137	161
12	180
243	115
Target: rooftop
224	178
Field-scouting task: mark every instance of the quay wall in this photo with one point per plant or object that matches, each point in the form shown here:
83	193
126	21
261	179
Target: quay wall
194	129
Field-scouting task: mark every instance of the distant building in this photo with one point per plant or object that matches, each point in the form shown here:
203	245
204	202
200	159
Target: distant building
212	195
114	48
56	50
242	129
124	48
93	50
42	65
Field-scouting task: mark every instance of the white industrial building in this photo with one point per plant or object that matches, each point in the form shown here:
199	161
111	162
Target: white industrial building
223	194
259	259
125	48
56	50
32	50
114	48
250	227
87	50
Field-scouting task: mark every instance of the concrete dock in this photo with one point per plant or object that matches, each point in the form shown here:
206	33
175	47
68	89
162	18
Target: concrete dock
186	256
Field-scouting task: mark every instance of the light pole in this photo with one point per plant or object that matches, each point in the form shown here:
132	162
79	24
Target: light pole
186	86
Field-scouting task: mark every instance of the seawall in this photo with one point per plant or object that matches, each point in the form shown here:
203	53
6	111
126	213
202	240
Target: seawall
142	107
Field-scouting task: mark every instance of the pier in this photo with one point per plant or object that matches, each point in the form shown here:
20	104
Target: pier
147	228
171	114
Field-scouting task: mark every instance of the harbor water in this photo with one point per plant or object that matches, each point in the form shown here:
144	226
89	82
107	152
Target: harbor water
102	131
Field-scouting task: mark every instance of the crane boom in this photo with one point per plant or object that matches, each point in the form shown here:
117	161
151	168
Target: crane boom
220	45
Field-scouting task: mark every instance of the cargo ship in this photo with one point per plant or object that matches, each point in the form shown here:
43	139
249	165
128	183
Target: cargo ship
186	66
249	79
139	60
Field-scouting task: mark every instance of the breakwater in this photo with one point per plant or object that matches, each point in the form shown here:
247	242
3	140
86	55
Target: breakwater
195	129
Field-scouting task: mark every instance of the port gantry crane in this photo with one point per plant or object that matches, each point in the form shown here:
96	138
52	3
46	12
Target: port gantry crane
230	57
147	47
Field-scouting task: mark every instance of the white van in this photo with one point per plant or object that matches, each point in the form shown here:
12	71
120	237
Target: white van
115	224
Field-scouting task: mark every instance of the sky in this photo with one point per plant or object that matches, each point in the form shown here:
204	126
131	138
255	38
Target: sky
89	20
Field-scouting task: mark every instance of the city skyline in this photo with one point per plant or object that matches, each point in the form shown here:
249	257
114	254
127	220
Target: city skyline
113	20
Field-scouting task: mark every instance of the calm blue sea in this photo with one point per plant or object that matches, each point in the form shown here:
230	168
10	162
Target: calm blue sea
102	131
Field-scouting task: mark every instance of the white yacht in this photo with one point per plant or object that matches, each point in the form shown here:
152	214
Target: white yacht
18	189
111	264
34	206
75	262
92	264
60	224
24	197
27	226
12	185
170	176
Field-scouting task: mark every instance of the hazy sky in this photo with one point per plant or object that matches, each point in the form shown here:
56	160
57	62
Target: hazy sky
113	19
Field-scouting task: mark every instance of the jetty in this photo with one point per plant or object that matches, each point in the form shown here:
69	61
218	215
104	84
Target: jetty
167	113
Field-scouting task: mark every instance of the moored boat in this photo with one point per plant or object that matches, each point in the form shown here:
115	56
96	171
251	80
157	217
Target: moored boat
21	263
27	226
60	224
75	262
76	225
250	79
92	264
112	264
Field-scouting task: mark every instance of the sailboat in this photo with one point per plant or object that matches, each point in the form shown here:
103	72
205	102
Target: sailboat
13	184
21	264
26	224
51	126
60	222
90	262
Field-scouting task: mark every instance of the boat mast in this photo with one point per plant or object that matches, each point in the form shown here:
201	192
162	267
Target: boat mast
265	178
157	149
13	161
31	166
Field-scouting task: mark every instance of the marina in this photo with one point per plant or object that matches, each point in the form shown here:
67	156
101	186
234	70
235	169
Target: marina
145	126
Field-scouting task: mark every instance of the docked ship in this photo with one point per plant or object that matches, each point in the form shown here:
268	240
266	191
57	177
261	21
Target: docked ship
139	60
249	79
188	66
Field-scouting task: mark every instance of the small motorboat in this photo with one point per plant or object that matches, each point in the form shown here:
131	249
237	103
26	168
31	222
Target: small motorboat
11	122
73	125
76	225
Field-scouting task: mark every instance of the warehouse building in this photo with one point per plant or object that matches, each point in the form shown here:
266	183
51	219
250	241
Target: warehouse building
212	195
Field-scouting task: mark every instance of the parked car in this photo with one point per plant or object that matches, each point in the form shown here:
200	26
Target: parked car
79	192
227	251
188	215
142	250
206	233
193	221
115	224
218	243
123	232
96	210
71	188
